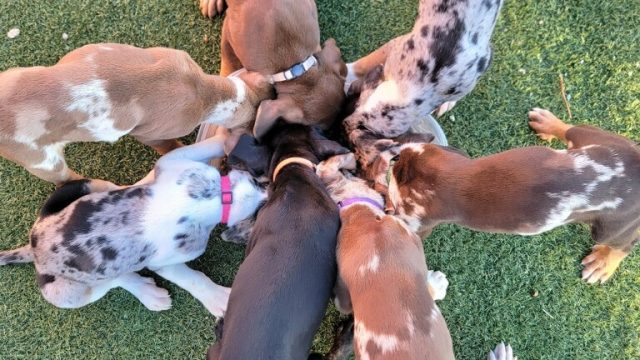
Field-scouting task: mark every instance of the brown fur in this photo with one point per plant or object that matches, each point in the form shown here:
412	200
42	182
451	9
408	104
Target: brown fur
159	94
525	190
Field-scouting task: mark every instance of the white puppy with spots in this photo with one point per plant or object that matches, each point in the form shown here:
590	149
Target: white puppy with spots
101	92
92	236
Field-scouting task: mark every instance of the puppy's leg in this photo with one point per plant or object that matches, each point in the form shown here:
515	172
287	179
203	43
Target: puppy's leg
229	61
47	163
201	151
162	146
502	352
437	284
151	296
213	296
211	8
69	294
547	125
602	263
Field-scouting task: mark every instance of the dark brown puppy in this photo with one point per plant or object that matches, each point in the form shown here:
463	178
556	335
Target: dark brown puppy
282	288
529	190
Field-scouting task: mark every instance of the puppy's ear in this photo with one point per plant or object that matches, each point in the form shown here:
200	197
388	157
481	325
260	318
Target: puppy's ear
270	111
325	148
258	85
331	55
249	155
374	77
403	171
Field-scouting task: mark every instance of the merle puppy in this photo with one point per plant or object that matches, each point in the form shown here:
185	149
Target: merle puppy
92	236
282	288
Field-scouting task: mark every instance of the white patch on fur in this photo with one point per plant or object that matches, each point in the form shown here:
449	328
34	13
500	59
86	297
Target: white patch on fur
30	125
417	148
438	282
371	266
388	93
386	343
580	202
225	109
53	155
92	99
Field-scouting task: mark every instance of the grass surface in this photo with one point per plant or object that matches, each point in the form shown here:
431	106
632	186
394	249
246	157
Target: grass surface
595	46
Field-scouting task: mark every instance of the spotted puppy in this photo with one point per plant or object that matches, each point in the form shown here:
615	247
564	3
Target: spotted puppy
530	190
382	275
92	236
101	92
439	61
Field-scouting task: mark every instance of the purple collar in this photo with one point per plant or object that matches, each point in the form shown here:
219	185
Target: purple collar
350	201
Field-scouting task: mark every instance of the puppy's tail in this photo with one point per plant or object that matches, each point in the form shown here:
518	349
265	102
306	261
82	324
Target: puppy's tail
20	255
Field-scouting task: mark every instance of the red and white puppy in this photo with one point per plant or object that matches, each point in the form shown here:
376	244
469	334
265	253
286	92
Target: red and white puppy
382	274
101	92
529	190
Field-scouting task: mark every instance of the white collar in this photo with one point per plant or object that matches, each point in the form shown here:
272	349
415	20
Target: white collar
295	71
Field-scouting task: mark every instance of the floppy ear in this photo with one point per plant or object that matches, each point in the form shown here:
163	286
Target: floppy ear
325	148
330	53
253	156
403	171
270	111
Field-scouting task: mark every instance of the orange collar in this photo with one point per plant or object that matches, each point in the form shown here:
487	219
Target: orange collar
292	160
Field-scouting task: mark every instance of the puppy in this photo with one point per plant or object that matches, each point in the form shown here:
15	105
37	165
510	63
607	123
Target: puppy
92	236
529	190
308	80
101	92
280	293
382	275
439	61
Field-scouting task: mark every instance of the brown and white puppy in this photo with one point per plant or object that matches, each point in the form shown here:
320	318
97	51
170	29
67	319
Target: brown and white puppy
529	190
382	275
101	92
439	61
275	36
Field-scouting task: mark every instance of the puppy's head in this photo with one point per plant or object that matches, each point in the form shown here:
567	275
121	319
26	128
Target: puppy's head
283	140
314	98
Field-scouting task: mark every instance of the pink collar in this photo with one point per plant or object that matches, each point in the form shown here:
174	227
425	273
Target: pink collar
226	197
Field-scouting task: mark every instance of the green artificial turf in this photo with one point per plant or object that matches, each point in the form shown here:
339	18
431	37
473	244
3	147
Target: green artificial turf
494	278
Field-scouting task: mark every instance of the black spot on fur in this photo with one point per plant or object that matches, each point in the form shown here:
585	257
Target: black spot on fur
76	249
79	222
142	259
34	240
481	64
89	243
418	101
182	244
410	44
474	38
44	279
402	57
139	192
106	222
101	269
451	91
109	253
180	237
488	4
182	219
125	218
424	31
445	47
82	263
65	195
101	240
423	67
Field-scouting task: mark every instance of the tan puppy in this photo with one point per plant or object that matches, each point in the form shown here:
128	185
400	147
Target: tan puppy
382	274
102	92
279	39
529	190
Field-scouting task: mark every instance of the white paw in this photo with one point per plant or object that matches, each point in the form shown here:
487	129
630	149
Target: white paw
217	302
437	283
502	352
445	107
153	297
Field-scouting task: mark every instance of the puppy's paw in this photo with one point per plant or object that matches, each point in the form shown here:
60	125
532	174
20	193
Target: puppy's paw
502	352
153	297
437	284
217	301
601	263
546	125
445	107
211	8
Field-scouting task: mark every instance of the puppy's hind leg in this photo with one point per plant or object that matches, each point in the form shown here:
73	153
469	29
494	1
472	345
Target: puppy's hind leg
213	296
502	352
437	284
547	125
70	294
145	289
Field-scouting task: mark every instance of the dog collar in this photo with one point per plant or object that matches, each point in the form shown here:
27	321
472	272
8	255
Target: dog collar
292	160
354	200
295	71
226	197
